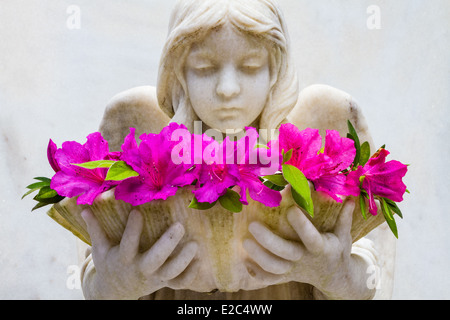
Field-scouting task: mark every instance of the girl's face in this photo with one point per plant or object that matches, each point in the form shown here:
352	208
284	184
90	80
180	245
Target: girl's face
228	79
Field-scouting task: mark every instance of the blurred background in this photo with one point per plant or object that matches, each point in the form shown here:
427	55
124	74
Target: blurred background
61	62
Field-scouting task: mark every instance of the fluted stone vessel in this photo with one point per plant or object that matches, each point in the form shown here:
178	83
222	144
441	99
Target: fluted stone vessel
218	232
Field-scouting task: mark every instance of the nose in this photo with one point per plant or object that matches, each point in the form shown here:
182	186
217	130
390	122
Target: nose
228	85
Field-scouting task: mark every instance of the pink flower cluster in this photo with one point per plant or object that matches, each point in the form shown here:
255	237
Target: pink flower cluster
159	176
330	168
167	161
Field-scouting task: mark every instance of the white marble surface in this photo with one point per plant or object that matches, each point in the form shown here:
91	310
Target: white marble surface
55	82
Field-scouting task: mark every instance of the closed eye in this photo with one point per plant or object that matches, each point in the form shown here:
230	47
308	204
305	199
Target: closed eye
204	70
251	68
204	67
253	63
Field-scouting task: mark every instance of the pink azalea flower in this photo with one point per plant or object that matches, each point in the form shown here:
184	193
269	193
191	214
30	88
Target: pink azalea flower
236	163
71	180
159	177
322	168
306	145
253	163
216	174
339	153
380	178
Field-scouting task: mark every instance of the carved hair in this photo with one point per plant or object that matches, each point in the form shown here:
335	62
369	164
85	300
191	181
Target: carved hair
192	20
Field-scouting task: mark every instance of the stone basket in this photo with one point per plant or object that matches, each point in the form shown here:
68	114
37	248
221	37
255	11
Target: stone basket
218	232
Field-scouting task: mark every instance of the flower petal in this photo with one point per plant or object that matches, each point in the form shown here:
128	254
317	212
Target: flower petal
97	146
130	150
335	185
51	151
209	192
341	151
136	192
306	143
258	192
387	181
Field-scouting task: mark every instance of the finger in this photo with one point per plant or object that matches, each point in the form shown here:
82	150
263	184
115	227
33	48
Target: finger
187	277
265	260
308	233
261	276
175	266
129	244
99	240
281	247
344	222
162	249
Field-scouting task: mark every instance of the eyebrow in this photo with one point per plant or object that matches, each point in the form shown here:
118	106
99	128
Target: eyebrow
254	54
205	53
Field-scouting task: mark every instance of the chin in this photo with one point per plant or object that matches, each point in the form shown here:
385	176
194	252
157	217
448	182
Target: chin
232	125
232	128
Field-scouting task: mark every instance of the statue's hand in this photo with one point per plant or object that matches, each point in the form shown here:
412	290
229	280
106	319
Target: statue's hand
122	272
323	260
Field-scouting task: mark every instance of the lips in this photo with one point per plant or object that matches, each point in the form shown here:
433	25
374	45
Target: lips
229	110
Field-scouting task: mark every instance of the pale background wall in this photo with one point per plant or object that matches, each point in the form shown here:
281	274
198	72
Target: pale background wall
55	82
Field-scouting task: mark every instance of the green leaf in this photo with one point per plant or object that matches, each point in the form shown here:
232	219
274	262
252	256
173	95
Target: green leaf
277	179
300	186
120	171
48	196
45	193
39	205
302	203
96	164
386	209
287	156
38	185
45	182
354	136
272	186
44	179
394	207
362	204
261	146
365	153
52	200
389	217
231	201
29	192
201	205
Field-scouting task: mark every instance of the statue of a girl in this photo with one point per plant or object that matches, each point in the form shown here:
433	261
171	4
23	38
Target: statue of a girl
227	63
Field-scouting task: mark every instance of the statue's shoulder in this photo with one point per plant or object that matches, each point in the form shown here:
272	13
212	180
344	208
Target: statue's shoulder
138	108
327	108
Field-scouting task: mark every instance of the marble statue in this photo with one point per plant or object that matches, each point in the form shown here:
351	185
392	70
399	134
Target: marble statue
227	63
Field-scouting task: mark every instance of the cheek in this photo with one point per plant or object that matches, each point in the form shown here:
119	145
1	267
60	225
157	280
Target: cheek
200	90
257	89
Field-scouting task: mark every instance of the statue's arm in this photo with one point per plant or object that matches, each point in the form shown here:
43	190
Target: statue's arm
137	108
324	107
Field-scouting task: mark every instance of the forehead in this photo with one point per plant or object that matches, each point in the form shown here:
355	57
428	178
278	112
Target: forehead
228	41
